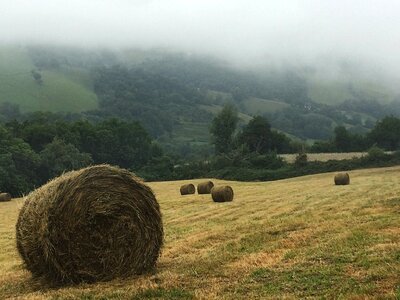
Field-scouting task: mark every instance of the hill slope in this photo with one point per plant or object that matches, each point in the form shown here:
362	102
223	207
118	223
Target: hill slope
62	90
296	238
175	95
337	90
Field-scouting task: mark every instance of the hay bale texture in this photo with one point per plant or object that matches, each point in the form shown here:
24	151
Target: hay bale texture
205	187
4	197
90	225
222	193
188	189
342	179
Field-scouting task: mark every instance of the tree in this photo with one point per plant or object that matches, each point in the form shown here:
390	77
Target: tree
39	129
18	164
301	159
342	139
323	147
9	111
223	127
257	135
37	77
126	144
386	133
58	157
281	143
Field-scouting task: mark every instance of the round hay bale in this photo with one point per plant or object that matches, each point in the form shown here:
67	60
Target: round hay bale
205	187
187	189
222	193
4	197
342	179
90	225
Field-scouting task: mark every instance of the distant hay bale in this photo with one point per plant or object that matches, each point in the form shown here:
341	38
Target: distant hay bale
205	187
222	193
90	225
187	189
4	197
342	179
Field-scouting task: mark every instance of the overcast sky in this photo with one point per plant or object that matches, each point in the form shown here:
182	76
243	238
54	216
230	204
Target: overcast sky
240	30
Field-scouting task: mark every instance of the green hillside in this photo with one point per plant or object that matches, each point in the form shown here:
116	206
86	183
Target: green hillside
215	109
336	91
61	90
175	96
257	106
194	133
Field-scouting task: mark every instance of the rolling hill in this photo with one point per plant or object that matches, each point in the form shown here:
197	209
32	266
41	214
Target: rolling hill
296	238
337	91
67	90
175	96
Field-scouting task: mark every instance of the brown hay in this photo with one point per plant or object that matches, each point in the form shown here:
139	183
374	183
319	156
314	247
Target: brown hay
342	179
222	193
205	187
187	189
94	224
4	197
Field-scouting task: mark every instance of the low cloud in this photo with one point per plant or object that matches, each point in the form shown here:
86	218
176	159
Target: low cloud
244	32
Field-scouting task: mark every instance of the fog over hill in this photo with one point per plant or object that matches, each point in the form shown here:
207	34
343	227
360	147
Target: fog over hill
294	32
306	65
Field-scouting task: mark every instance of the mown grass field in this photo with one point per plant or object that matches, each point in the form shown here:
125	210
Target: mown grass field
294	239
290	158
62	90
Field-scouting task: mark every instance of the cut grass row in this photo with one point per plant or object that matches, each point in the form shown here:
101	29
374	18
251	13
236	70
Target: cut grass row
294	238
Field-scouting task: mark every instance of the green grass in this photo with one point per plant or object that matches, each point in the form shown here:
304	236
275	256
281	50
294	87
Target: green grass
256	106
215	109
336	91
306	281
64	90
192	132
160	293
152	293
219	97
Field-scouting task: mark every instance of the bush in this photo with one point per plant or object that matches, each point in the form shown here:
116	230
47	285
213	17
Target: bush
376	154
269	161
301	159
159	168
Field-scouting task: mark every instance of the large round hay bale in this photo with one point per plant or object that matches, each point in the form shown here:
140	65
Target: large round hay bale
90	225
188	189
342	179
4	197
205	187
222	193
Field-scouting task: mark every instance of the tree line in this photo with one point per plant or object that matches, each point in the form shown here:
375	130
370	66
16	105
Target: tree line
251	152
258	136
45	145
40	146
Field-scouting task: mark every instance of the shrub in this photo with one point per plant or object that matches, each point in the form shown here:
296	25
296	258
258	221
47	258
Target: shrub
376	154
301	159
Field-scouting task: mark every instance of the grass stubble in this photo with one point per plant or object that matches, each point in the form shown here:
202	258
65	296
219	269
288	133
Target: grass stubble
295	238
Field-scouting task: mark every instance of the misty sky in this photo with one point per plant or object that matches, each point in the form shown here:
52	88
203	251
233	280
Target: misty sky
248	31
